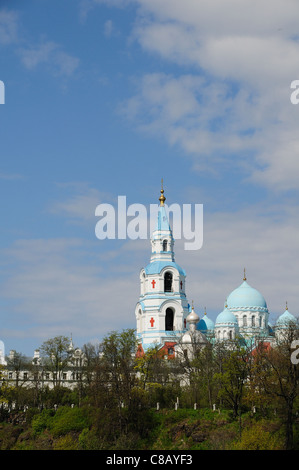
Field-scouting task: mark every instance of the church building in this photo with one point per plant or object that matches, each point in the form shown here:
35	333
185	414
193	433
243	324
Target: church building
165	319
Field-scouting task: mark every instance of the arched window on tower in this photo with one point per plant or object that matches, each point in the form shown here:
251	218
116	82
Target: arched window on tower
169	319
244	320
164	245
167	282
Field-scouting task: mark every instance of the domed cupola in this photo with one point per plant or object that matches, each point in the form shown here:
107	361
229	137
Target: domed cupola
250	309
226	325
205	325
284	323
286	319
246	297
192	339
226	318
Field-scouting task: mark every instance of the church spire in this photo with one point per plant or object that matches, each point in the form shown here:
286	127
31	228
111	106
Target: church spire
162	198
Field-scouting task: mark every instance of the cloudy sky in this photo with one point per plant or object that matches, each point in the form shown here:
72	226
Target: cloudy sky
104	98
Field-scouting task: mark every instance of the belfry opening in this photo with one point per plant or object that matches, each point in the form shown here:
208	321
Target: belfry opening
169	316
168	282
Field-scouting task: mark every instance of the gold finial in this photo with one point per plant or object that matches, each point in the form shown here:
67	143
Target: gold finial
205	310
226	304
287	308
162	197
192	305
244	278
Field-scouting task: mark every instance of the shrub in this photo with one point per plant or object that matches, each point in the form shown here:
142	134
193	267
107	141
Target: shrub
257	437
68	419
61	422
68	442
88	440
42	421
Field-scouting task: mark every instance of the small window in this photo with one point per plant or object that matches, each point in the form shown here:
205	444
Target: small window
244	320
164	245
169	319
168	282
253	320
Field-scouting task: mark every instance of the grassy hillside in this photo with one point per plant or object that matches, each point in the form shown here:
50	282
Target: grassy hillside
88	429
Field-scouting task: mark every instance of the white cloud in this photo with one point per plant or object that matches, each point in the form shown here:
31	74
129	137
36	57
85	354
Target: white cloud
231	96
10	176
51	54
80	205
8	27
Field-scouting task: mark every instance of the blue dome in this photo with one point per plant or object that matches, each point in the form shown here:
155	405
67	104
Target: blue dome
156	267
286	319
246	296
205	324
226	317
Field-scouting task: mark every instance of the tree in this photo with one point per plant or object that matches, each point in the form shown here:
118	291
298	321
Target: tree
56	356
232	379
17	363
203	371
94	377
152	367
278	377
118	359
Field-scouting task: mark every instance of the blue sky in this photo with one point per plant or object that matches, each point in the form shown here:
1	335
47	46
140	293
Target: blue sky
104	98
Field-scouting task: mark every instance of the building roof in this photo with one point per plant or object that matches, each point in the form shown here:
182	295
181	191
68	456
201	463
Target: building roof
156	267
245	297
286	318
226	318
205	324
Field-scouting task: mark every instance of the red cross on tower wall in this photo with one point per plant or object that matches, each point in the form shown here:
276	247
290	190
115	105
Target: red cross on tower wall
153	283
152	321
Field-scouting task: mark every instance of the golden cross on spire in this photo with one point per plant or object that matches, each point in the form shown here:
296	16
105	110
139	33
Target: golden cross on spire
287	308
162	197
244	278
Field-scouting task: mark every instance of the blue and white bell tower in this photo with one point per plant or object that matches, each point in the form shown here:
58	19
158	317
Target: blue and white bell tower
163	307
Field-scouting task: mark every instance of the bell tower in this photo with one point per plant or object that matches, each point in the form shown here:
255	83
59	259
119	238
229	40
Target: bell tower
162	308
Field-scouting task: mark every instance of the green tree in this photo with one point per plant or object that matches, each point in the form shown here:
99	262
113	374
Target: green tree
118	360
276	376
55	352
232	379
18	364
202	383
